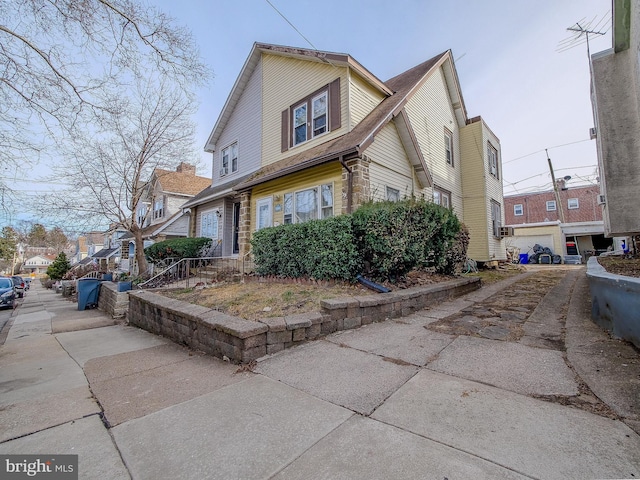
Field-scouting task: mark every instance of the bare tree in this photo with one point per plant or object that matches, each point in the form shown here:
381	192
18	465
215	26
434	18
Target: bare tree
62	62
110	170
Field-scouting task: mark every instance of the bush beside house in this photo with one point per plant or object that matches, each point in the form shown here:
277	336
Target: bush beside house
177	248
384	240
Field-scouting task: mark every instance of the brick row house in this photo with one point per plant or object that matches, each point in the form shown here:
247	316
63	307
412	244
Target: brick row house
569	224
307	135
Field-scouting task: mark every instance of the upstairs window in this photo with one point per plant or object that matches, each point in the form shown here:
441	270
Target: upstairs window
518	210
448	146
229	159
551	205
573	203
312	116
318	121
158	208
492	155
141	215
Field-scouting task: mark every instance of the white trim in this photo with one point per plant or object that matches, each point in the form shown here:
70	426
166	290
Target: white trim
265	201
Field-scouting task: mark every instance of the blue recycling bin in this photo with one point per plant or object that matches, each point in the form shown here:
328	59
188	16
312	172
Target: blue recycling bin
88	291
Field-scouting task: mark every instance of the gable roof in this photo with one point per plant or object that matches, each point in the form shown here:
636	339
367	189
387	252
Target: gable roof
330	58
180	183
354	142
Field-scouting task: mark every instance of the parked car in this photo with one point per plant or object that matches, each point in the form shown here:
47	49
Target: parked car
7	293
18	282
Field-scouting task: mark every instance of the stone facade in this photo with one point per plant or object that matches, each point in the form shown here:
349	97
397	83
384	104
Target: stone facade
242	341
244	231
360	183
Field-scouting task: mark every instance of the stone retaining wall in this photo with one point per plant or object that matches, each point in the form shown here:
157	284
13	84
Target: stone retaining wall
615	302
242	341
111	301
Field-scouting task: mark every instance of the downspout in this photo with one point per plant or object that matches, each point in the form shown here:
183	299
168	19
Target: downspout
349	182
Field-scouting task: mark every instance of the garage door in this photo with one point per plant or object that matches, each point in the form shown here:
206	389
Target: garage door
526	242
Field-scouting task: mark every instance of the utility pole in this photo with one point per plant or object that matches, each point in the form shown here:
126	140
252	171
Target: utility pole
555	188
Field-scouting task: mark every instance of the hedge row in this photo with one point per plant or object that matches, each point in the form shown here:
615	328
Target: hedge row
383	240
177	247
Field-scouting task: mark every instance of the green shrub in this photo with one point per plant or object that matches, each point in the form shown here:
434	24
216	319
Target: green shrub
383	240
320	249
177	247
397	237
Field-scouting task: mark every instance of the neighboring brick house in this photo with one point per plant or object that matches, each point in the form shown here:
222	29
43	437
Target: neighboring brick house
577	204
573	226
306	134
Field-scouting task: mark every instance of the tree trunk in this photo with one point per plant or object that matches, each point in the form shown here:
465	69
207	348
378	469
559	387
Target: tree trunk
141	259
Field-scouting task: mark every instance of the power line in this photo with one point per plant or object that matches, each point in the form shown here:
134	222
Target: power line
292	25
548	148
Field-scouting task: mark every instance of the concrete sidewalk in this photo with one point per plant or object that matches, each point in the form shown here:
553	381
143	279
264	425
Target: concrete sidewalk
396	399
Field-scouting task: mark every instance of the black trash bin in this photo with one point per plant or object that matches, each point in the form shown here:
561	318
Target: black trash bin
88	291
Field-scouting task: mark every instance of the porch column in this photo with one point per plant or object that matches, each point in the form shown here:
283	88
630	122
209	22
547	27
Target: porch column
244	230
360	183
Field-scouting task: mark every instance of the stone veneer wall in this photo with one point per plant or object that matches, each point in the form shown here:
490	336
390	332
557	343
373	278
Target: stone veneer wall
111	301
242	341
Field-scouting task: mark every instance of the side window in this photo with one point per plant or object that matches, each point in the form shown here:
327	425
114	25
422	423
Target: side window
393	194
492	155
573	203
441	197
518	210
448	146
209	225
496	218
288	208
551	205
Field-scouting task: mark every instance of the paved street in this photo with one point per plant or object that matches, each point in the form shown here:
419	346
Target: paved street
460	390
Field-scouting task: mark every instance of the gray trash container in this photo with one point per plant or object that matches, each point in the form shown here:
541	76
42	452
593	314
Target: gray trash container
88	291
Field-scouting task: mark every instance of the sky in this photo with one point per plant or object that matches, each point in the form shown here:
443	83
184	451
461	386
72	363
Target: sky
513	64
531	95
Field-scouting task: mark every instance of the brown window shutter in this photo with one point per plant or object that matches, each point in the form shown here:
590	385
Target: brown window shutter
284	142
335	121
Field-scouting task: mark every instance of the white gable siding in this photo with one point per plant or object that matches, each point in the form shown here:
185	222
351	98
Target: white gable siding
245	127
363	98
286	81
390	166
430	111
179	228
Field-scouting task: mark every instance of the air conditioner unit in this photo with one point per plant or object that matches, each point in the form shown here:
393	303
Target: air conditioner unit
506	232
601	199
593	133
224	171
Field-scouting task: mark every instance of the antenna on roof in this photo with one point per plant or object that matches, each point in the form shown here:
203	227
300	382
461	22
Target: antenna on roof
582	30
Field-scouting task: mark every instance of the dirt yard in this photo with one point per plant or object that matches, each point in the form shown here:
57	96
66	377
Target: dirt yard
619	265
258	300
